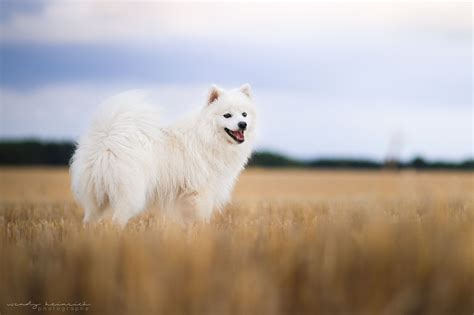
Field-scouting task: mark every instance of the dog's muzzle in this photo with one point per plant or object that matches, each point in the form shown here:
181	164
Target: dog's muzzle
237	135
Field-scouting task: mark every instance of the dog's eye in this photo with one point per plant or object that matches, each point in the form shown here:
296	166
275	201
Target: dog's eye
244	114
227	115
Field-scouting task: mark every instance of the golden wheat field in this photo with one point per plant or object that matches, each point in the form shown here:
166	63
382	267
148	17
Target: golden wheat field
291	242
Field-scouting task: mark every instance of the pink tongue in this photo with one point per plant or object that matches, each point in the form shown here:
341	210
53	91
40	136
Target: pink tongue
239	135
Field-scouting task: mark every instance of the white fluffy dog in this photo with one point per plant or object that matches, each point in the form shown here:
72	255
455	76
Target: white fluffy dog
127	162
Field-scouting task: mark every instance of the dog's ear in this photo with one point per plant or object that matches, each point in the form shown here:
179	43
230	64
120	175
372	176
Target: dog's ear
246	89
214	93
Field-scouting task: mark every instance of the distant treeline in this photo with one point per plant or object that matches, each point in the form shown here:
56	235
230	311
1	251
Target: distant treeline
271	159
33	152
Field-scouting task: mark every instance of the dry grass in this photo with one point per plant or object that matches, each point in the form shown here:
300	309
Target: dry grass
292	242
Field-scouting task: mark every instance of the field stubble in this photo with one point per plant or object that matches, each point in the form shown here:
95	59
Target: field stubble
291	242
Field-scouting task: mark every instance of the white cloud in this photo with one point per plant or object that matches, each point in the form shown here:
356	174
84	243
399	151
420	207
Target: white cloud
93	21
293	123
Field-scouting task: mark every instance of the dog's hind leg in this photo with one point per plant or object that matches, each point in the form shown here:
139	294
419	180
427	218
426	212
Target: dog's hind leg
124	209
91	215
129	203
93	212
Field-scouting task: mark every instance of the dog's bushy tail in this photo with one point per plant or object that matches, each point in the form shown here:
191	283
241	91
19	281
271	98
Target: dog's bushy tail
111	151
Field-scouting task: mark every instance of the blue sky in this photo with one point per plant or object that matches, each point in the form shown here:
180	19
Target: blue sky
341	79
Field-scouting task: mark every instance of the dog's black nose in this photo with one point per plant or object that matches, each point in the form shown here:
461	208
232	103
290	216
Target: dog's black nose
242	125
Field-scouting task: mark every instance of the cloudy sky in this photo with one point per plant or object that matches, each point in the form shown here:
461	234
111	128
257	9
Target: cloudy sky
331	79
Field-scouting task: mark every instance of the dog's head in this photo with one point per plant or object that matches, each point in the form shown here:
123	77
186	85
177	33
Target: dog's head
233	113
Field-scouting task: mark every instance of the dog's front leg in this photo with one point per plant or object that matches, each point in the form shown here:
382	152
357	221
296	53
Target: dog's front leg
203	206
195	206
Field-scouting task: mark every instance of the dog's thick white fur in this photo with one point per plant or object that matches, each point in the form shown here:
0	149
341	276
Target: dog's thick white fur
127	162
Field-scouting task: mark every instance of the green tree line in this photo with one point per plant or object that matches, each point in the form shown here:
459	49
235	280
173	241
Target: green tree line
33	152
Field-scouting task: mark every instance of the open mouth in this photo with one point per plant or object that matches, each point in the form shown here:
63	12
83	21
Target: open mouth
237	135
